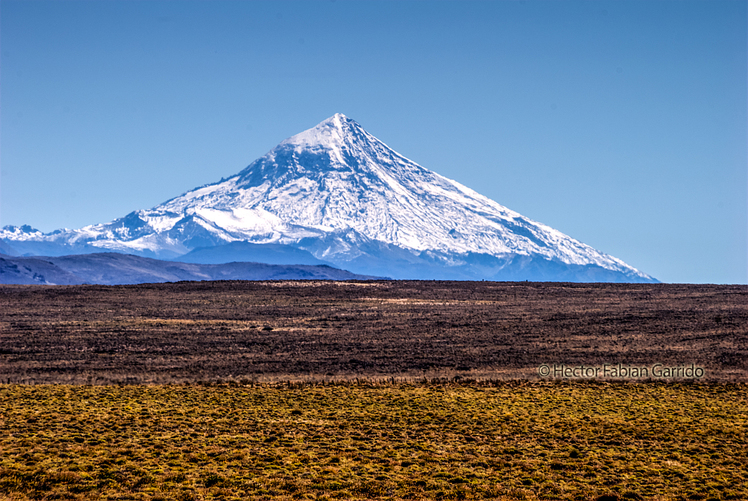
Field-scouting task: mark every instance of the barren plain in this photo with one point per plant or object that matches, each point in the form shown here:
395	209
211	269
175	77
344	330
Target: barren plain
406	330
373	390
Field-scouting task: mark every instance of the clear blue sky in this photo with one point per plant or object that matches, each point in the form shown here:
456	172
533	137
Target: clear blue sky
622	124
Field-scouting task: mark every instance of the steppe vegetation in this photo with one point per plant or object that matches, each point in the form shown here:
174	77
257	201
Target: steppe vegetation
370	390
530	440
276	331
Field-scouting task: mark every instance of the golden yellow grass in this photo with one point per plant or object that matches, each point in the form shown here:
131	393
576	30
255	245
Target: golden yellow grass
505	440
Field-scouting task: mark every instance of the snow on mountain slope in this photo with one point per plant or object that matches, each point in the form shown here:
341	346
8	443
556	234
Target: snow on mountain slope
338	180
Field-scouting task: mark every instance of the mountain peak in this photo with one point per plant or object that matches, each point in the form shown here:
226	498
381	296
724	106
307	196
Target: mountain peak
343	195
338	118
337	121
332	132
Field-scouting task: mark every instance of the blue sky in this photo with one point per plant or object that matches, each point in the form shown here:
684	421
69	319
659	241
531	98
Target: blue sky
621	124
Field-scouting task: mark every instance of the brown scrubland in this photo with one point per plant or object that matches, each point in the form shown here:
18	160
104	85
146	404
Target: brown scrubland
305	330
374	390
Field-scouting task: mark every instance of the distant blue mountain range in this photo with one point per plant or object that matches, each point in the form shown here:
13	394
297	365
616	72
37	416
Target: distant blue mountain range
113	268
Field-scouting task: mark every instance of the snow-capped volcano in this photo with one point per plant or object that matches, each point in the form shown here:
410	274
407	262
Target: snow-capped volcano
345	197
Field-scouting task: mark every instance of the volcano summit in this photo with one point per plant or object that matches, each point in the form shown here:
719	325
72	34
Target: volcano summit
335	194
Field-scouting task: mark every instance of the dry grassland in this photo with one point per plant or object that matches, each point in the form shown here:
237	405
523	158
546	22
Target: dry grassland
371	390
570	441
